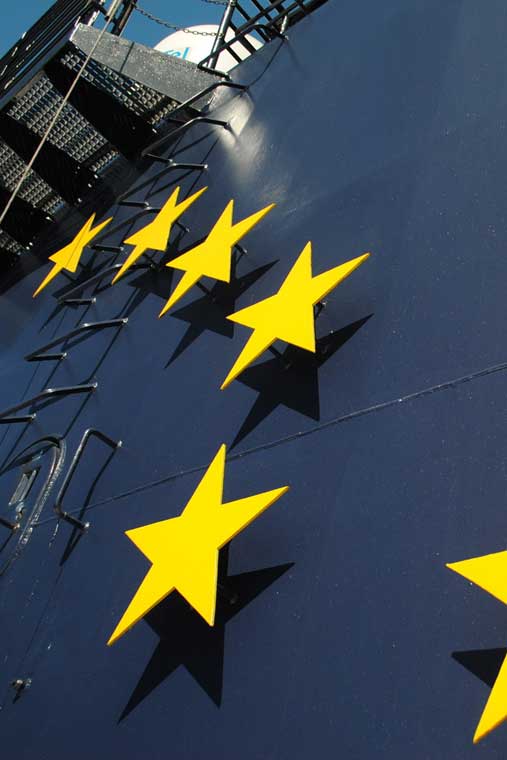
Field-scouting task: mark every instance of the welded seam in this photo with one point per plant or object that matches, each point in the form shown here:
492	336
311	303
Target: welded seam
449	384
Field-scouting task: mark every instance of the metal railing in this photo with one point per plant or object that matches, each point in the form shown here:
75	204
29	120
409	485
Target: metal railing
266	20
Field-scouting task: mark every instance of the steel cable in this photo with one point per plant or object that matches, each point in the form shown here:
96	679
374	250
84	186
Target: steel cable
114	7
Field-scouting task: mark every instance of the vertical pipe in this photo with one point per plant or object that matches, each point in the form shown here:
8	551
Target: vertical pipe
122	17
222	31
90	18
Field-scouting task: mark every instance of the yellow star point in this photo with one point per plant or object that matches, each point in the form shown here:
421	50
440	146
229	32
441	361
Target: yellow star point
155	235
489	573
213	257
288	315
183	550
68	257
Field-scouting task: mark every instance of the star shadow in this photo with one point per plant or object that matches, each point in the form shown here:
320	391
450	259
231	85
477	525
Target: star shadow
291	379
181	146
210	312
68	344
150	184
186	639
482	663
157	282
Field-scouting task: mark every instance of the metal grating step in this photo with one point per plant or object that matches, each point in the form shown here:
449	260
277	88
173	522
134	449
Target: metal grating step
141	100
73	134
121	103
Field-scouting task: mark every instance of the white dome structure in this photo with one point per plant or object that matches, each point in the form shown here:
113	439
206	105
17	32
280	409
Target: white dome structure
195	43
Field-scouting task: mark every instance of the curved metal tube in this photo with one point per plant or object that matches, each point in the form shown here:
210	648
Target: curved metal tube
70	472
179	130
70	390
59	451
206	91
68	297
40	355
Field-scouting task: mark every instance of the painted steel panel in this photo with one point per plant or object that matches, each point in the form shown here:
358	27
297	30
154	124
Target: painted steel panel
375	127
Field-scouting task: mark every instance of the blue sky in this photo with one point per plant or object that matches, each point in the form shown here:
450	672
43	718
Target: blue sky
21	15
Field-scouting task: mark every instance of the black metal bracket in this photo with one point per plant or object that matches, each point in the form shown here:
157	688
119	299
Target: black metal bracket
173	165
70	472
241	249
182	128
271	32
144	205
317	309
40	355
107	248
69	390
219	73
149	209
68	297
79	301
136	204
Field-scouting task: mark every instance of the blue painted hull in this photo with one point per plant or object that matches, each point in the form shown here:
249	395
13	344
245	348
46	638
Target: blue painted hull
375	127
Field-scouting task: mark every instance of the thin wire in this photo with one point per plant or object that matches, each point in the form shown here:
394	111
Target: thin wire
174	27
28	167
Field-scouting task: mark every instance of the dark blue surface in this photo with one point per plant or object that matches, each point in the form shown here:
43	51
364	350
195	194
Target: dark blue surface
376	127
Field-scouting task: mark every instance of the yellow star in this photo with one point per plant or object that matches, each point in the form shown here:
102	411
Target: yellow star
68	256
288	315
489	573
184	550
212	258
155	235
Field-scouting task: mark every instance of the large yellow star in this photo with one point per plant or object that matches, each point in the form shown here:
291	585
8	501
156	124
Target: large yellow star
184	550
213	257
155	235
68	256
288	315
490	573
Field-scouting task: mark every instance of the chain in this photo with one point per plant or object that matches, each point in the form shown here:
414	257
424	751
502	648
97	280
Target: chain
161	21
215	2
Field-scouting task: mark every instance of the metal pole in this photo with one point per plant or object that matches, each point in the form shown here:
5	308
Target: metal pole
122	17
222	31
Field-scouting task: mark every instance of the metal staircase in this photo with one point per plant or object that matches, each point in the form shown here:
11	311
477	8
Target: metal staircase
128	101
120	104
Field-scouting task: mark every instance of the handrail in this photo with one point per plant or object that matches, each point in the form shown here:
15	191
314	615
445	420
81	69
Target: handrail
57	22
70	472
270	21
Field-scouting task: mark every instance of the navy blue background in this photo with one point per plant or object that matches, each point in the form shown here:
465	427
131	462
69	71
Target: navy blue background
375	127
